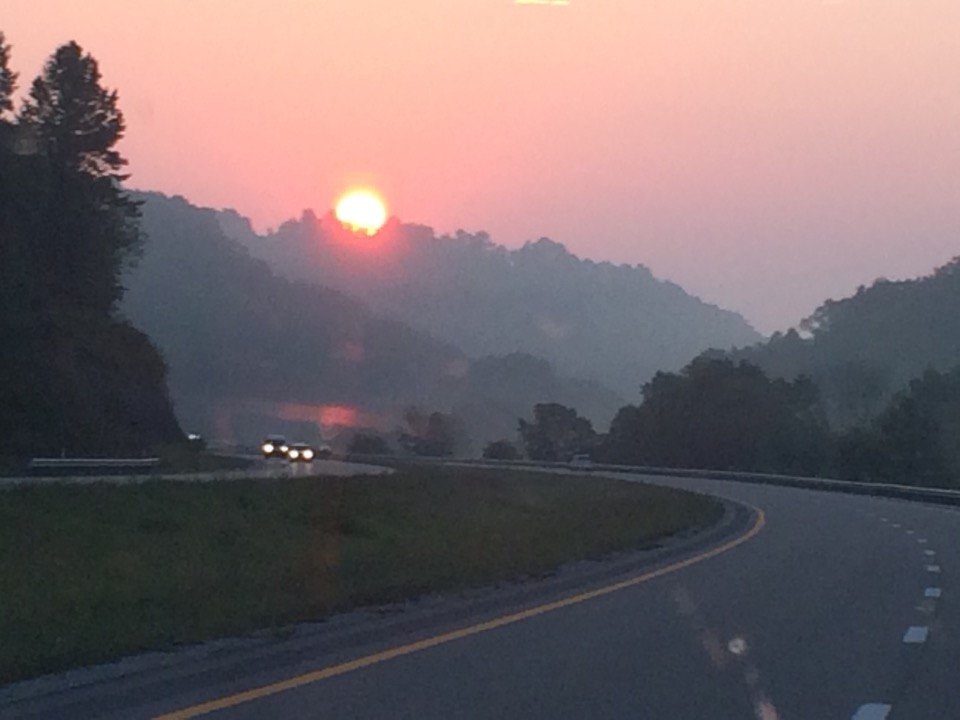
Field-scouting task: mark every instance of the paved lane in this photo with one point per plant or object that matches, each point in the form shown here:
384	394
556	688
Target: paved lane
841	607
863	617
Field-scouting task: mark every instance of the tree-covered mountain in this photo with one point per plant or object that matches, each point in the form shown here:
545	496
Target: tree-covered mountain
862	350
75	378
616	324
250	351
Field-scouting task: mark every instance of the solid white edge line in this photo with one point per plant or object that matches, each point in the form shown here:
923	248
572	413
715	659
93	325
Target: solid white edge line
916	634
872	711
932	592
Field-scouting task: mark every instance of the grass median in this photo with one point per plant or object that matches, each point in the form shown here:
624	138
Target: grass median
89	573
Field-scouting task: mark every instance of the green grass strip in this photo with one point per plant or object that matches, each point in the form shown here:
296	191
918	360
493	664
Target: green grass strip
90	573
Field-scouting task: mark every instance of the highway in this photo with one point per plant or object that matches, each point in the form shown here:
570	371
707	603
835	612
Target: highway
823	606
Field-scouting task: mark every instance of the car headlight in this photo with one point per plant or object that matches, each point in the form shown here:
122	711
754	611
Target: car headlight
268	448
294	454
284	448
308	454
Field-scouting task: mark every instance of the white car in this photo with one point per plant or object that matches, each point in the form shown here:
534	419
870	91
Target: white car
300	452
581	462
275	446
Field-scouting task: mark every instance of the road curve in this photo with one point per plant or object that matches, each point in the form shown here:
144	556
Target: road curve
839	607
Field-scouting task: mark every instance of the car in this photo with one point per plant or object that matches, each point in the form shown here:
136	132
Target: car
581	462
300	452
275	446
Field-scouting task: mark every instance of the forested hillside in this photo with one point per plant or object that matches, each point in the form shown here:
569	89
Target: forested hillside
863	349
868	389
250	351
615	324
76	378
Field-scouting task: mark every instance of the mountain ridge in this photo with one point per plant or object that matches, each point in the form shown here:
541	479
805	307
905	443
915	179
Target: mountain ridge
538	299
250	351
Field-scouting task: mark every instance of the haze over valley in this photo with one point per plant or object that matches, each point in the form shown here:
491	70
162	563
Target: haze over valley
321	325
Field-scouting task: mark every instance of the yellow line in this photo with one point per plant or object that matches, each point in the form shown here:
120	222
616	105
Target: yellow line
317	675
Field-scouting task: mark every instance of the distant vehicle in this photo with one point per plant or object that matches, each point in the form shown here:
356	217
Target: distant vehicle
324	452
581	462
300	452
275	446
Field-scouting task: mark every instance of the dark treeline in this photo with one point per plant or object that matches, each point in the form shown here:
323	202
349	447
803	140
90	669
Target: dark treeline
721	415
863	350
724	415
74	376
868	390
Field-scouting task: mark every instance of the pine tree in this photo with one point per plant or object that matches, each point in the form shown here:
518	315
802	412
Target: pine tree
77	123
8	79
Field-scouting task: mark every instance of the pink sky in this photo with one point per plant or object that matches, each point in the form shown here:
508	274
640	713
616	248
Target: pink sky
764	154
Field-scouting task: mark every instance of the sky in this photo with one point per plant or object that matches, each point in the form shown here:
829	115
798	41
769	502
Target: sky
764	154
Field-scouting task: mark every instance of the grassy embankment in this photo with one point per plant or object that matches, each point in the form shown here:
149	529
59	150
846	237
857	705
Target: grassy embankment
90	573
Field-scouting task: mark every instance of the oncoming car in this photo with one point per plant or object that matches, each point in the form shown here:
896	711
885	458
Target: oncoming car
275	446
300	452
581	462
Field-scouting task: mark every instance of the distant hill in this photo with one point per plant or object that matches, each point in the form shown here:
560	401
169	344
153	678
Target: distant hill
863	349
250	351
614	324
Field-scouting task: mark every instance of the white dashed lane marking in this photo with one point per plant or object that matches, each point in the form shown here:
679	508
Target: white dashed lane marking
872	711
915	634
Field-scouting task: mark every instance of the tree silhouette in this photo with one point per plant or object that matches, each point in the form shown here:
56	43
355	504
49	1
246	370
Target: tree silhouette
76	378
8	78
556	434
915	440
76	119
501	450
84	243
721	415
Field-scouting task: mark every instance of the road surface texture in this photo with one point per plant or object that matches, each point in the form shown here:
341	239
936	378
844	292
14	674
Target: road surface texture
819	606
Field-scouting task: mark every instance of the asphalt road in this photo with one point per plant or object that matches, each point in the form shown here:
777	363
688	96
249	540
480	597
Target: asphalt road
838	607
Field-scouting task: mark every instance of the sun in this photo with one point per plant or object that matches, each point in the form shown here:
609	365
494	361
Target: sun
362	211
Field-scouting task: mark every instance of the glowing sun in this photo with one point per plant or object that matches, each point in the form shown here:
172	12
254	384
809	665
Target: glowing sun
362	211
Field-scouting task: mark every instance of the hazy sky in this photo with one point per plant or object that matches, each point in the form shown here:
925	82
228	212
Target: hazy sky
765	154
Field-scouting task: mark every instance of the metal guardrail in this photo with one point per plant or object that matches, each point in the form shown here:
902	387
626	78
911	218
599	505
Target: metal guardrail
916	493
905	492
57	466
